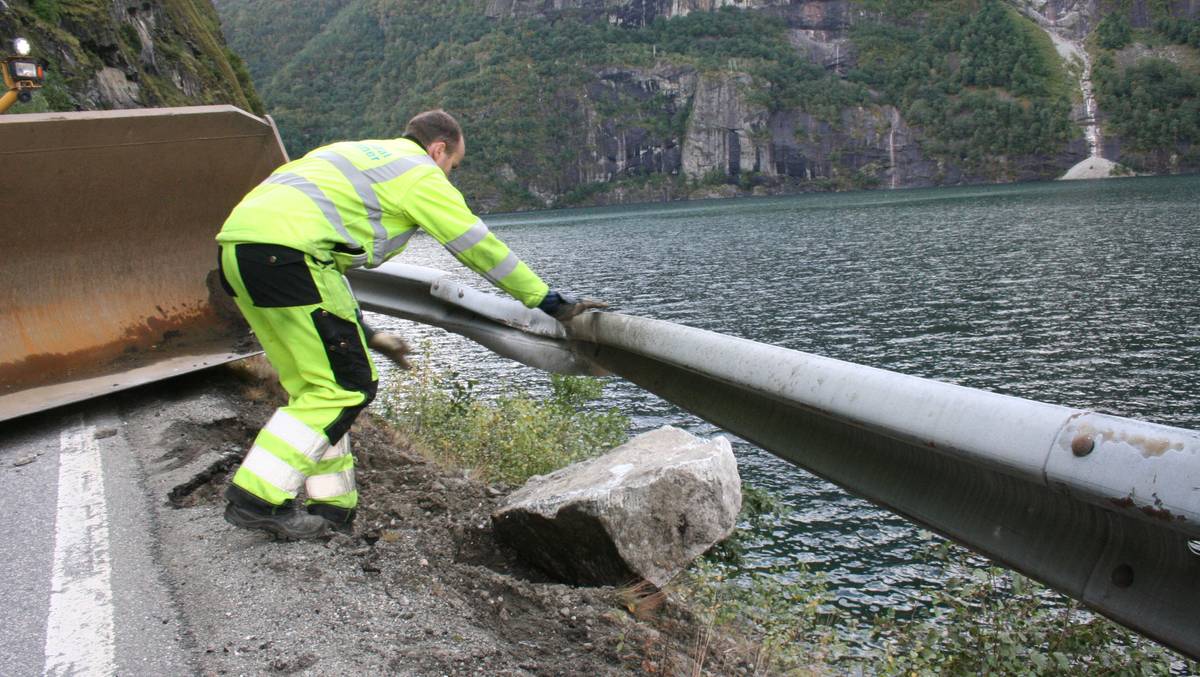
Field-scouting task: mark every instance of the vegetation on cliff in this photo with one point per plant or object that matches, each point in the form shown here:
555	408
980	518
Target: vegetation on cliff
982	84
1148	86
161	53
533	90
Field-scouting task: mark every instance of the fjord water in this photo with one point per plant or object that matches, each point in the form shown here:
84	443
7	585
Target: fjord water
1075	293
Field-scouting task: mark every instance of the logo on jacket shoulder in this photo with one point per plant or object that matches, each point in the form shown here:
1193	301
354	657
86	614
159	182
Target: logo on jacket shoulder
373	152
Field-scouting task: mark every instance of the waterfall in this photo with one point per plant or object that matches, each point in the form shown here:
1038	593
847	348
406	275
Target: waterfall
894	117
1091	124
1095	166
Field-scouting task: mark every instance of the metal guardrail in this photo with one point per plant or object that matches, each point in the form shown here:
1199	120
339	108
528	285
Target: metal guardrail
1101	508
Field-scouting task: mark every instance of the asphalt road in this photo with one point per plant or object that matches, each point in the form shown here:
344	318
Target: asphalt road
84	593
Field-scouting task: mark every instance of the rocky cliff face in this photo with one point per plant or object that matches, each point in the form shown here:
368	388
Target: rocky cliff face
872	145
621	12
727	135
1077	18
109	54
673	111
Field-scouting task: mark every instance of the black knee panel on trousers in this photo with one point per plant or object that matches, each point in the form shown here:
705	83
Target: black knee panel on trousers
342	423
350	365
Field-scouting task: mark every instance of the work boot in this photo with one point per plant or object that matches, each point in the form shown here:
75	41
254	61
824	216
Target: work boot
340	520
392	346
283	522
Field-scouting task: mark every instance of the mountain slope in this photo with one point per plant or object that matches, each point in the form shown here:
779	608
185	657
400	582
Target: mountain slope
650	99
104	54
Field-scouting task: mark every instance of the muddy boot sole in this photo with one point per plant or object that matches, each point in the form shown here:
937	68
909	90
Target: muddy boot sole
294	526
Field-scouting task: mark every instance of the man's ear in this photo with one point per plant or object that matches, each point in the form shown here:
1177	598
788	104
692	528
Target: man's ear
437	149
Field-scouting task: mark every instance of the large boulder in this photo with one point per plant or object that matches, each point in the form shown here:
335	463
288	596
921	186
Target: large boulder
642	511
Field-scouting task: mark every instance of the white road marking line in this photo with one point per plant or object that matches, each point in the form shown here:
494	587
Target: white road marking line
79	628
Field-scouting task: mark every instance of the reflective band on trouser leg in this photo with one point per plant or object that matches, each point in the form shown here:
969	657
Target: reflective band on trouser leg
284	453
332	482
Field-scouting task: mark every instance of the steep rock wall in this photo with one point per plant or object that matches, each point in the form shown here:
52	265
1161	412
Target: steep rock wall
109	54
625	12
617	146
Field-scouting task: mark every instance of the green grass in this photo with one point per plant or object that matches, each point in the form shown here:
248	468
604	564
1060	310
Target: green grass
509	438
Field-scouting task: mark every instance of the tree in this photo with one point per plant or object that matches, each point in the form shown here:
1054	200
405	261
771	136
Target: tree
1114	31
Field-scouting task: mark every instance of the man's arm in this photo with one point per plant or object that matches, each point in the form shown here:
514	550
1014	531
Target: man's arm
439	209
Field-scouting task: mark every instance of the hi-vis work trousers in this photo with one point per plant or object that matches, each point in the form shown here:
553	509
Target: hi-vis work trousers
305	317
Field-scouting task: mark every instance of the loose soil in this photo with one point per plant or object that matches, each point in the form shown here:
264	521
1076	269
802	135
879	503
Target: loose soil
421	586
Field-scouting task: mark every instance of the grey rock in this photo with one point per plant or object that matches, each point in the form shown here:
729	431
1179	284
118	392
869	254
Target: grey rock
114	87
643	511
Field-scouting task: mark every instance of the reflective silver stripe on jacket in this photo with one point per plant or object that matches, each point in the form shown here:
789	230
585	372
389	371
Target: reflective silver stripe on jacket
474	235
364	181
319	198
366	193
400	240
396	168
503	269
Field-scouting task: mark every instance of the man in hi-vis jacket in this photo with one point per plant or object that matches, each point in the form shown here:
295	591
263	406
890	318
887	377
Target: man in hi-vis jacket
283	250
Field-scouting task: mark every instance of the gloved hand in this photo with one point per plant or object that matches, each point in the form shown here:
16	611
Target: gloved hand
391	345
563	307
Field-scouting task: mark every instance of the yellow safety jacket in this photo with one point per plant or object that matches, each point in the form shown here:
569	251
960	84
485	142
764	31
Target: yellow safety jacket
360	202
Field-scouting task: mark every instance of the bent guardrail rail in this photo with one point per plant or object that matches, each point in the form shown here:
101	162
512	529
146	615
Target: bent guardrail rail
1101	508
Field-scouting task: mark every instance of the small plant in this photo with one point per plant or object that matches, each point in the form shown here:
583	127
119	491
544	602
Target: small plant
994	621
47	10
758	506
509	438
790	626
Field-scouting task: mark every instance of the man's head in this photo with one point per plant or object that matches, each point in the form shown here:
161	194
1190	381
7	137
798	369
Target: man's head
441	135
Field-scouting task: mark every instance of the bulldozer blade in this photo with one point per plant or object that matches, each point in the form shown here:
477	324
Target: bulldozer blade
110	280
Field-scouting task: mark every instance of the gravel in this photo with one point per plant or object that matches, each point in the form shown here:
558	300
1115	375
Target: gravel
420	588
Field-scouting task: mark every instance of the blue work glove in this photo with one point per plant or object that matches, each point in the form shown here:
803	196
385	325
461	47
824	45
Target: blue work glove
562	306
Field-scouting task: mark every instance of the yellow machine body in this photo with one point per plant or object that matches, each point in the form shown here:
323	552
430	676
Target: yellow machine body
109	218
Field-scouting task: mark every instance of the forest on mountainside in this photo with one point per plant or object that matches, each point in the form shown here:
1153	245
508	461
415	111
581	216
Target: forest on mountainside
1153	103
569	106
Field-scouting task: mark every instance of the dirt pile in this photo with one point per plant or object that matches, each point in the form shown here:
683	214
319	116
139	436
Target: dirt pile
422	587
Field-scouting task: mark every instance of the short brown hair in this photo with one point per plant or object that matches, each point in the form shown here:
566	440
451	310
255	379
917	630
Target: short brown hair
432	126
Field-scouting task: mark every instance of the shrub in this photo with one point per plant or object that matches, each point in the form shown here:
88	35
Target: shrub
47	10
981	620
510	438
1114	31
791	625
130	35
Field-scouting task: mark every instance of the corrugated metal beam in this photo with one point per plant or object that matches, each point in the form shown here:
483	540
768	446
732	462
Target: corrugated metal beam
1098	507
